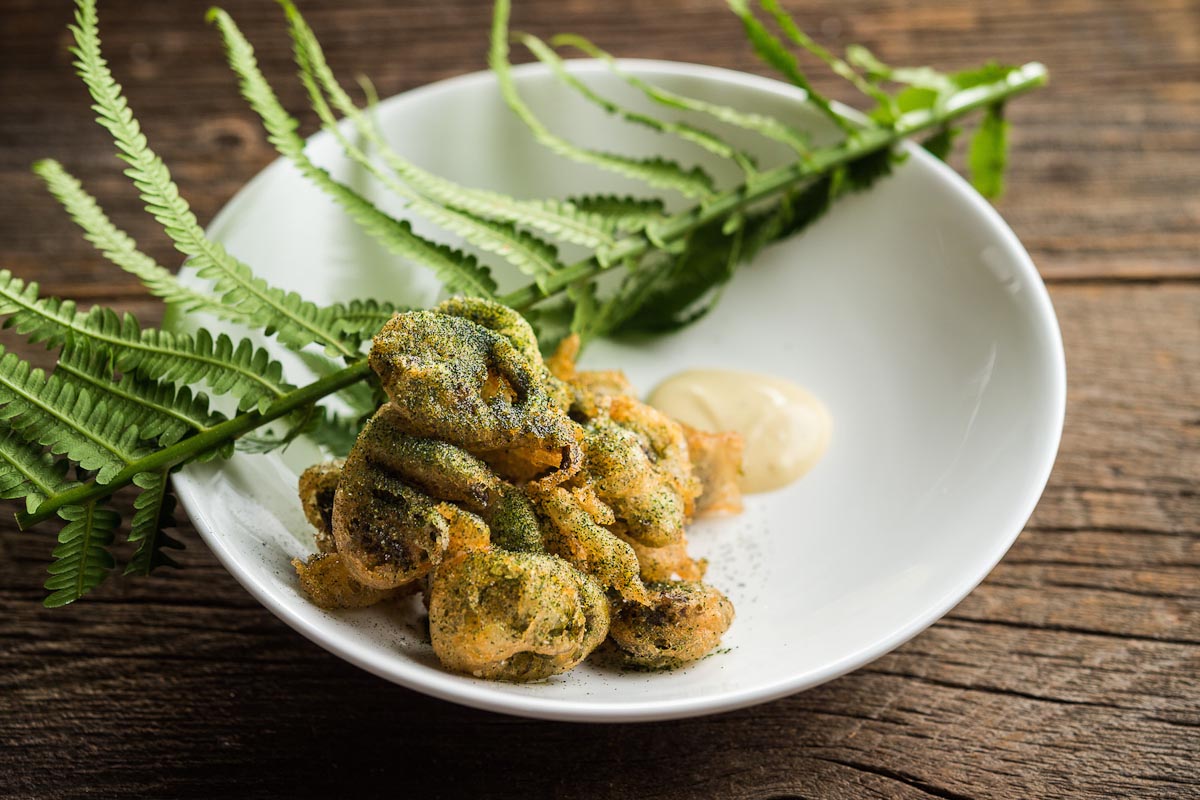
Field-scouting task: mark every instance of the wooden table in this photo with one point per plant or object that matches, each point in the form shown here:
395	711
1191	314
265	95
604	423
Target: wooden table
1074	670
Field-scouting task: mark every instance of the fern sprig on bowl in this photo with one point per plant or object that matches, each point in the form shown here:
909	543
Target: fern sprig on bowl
126	404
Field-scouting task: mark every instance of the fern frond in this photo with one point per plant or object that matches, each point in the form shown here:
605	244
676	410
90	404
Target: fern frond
552	217
161	412
364	318
689	133
67	418
531	255
296	322
771	50
920	77
761	124
153	510
336	433
624	213
457	271
659	172
839	67
244	371
81	560
28	471
297	401
119	248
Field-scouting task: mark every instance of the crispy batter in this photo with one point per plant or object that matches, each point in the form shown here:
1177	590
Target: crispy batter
683	622
329	584
638	462
387	533
467	533
574	535
514	616
525	525
446	472
586	387
717	462
454	380
668	563
317	487
667	443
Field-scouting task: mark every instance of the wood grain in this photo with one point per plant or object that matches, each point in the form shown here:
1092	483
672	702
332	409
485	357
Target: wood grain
1073	671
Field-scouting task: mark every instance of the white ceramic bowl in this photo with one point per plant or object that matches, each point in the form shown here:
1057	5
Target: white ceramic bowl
911	309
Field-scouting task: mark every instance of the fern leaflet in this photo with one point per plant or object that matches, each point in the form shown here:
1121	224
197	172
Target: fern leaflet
529	254
626	214
244	371
690	133
67	418
659	172
119	248
772	51
837	65
296	321
81	560
153	510
761	124
457	271
553	217
160	411
26	471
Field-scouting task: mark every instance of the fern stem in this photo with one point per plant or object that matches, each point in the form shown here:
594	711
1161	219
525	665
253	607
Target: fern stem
192	446
772	182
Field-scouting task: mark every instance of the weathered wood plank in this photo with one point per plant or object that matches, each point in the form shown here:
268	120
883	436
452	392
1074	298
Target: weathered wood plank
1121	119
1073	671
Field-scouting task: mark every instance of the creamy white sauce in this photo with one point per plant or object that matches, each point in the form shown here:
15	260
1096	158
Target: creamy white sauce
786	429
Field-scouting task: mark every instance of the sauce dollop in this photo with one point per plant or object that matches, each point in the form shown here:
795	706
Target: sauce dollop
786	429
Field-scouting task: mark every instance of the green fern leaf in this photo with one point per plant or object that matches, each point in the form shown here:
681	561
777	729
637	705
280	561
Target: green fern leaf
154	509
987	155
623	213
364	318
553	217
457	271
160	411
586	318
761	124
529	254
119	248
27	471
66	418
658	172
771	50
81	559
244	371
363	397
689	133
840	68
336	433
941	142
296	321
687	286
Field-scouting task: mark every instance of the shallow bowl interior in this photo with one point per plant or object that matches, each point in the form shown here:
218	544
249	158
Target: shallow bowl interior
910	309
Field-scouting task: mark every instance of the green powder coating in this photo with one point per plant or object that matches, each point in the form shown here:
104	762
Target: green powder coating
471	400
435	368
616	461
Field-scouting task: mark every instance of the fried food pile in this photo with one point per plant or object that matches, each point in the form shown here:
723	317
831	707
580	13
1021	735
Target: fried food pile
539	509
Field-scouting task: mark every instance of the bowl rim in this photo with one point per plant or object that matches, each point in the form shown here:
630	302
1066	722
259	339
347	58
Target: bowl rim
479	694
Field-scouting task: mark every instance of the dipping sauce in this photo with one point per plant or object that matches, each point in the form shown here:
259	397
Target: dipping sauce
786	429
